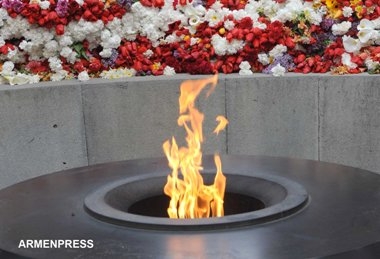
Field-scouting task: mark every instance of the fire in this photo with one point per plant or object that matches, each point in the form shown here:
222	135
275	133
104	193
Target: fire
190	197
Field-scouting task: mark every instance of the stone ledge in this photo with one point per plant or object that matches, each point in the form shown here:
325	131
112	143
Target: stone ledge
53	126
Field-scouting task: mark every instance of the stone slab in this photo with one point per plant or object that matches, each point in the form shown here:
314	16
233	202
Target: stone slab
275	116
127	119
350	121
41	130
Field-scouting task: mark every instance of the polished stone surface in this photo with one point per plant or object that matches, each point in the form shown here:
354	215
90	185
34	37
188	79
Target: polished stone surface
342	215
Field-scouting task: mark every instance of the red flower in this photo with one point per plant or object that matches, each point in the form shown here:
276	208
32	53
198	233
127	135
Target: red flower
95	65
6	47
246	23
80	65
60	29
36	67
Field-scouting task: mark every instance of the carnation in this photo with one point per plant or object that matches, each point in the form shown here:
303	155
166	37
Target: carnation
169	71
245	68
149	53
55	64
347	11
83	76
278	70
229	25
59	75
44	4
263	59
278	50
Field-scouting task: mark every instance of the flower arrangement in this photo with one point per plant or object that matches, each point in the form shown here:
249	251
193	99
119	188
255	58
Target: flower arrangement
61	39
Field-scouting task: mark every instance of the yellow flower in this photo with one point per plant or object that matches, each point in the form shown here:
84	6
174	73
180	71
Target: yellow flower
156	66
358	10
334	8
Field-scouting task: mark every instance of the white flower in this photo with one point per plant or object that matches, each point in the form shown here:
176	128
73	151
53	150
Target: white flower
322	10
217	5
245	65
263	58
278	70
229	25
350	44
194	20
312	16
8	66
341	28
244	72
106	53
366	35
149	53
278	51
34	79
25	45
59	75
51	46
169	71
213	17
261	26
83	76
346	60
371	65
172	38
110	41
20	79
347	11
80	2
65	41
376	23
367	31
194	41
12	53
223	47
118	73
55	64
239	14
66	52
366	24
44	4
245	68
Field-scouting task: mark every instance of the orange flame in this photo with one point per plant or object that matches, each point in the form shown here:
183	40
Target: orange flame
190	198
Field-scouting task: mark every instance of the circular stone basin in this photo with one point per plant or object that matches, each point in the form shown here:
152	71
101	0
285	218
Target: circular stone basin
139	202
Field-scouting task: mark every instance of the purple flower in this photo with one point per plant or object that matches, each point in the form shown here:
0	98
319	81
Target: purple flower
126	3
16	5
321	41
327	23
198	2
285	61
62	8
110	62
176	54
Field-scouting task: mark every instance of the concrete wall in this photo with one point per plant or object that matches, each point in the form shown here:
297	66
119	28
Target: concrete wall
54	126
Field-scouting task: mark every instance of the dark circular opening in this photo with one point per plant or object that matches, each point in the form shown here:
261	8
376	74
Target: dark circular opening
139	202
234	203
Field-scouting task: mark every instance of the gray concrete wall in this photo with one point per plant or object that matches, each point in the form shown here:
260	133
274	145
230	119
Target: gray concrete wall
54	126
